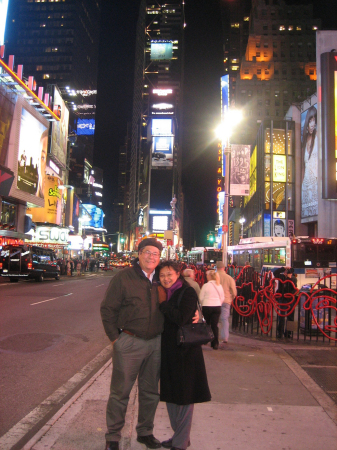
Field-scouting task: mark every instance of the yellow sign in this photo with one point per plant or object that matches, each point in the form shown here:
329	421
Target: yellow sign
279	168
51	212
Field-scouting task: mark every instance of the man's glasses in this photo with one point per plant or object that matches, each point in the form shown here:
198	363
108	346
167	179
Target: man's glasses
154	254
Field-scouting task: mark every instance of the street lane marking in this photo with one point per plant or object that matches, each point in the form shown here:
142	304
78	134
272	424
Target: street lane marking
61	284
269	408
50	299
100	285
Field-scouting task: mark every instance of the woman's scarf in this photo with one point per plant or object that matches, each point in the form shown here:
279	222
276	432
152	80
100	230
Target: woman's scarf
170	291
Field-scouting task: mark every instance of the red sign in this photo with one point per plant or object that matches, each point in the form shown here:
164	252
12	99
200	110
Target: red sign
10	241
225	228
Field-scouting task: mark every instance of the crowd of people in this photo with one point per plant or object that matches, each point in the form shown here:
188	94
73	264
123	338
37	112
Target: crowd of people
74	267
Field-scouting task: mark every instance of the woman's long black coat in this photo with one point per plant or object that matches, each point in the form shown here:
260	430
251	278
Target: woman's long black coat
183	378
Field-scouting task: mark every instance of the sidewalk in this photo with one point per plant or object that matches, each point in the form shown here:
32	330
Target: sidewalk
261	399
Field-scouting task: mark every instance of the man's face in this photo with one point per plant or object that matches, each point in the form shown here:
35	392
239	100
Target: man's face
149	258
279	231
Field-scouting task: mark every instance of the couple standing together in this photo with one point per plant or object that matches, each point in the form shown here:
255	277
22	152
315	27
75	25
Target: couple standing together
141	313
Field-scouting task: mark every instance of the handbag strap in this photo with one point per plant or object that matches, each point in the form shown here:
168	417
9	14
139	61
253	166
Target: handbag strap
201	317
216	290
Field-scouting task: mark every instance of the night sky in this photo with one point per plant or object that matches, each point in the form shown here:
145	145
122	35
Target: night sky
203	69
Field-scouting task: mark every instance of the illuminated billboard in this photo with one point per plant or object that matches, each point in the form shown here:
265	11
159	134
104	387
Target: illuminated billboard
52	210
85	127
329	124
59	133
224	95
279	168
309	163
161	50
92	216
240	166
161	127
162	151
3	16
7	106
32	155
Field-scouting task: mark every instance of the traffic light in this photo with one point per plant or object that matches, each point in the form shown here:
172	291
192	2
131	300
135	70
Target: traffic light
210	237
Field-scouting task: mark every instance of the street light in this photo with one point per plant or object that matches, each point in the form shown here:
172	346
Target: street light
224	131
242	221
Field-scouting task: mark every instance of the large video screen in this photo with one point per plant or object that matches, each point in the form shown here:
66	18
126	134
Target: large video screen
85	127
161	127
162	151
59	136
3	16
161	51
32	155
96	216
309	156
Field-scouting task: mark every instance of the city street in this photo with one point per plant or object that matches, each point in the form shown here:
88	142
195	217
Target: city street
48	333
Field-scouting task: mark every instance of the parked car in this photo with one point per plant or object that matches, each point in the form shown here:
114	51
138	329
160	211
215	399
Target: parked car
28	261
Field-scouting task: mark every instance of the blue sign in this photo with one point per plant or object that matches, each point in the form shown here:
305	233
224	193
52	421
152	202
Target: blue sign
224	95
92	216
85	127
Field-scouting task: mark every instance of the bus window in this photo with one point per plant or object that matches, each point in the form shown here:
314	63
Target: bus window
257	260
265	256
279	256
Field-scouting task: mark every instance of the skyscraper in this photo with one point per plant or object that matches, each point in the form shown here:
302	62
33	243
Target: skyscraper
155	173
57	42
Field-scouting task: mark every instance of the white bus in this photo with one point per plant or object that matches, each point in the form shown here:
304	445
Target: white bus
203	255
311	258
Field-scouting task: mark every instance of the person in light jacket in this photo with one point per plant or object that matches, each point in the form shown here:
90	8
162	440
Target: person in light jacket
211	298
229	287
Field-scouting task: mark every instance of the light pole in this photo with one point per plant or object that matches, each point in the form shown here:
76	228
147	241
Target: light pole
224	131
242	221
173	206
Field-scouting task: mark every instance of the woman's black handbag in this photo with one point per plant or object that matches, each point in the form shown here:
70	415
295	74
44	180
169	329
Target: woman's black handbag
194	334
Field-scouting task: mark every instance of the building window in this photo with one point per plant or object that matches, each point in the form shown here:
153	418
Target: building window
290	28
265	54
246	71
258	54
298	28
282	28
259	71
274	55
265	45
8	214
257	44
265	27
274	44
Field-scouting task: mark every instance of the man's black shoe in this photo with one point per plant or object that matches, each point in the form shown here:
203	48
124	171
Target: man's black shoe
168	443
150	441
112	445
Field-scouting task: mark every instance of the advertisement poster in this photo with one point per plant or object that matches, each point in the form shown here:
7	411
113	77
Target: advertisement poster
266	227
59	134
161	50
52	210
291	228
93	217
279	227
279	168
7	104
309	155
240	167
224	96
85	127
162	143
32	156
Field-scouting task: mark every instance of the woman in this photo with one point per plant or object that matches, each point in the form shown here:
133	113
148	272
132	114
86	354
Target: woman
183	379
211	298
309	206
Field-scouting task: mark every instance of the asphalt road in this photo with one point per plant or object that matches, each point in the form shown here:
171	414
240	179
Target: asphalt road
48	332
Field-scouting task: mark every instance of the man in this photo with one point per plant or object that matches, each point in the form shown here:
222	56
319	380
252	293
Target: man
229	287
42	163
285	274
189	276
133	323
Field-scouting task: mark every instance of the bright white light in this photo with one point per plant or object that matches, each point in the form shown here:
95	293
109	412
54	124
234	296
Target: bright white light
242	220
230	121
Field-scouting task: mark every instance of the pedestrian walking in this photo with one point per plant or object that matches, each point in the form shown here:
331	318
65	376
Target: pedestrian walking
230	292
183	379
211	298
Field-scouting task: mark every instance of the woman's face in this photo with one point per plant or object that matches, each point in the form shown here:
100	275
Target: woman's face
311	125
168	277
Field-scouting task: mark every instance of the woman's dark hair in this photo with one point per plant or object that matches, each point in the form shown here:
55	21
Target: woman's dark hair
172	264
311	114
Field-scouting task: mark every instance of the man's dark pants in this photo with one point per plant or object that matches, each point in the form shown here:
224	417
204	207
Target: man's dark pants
133	357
